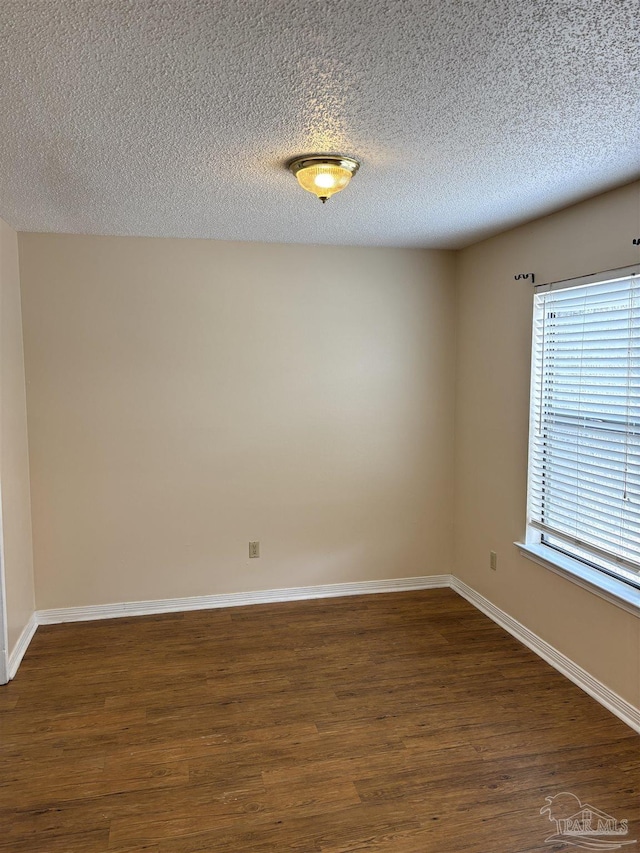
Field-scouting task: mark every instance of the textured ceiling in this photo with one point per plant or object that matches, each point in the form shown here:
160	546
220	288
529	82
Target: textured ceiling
175	117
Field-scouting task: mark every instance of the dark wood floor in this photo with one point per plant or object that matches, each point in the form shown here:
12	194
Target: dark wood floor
405	722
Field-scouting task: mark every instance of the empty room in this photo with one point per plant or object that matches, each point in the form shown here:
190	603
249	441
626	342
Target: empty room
319	426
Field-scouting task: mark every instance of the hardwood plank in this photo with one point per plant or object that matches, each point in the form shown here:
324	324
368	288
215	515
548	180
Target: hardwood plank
396	723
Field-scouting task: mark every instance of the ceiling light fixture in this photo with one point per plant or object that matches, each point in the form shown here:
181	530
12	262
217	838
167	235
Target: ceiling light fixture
323	175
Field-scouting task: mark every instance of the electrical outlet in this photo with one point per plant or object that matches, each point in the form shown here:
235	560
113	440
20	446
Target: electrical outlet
493	561
254	549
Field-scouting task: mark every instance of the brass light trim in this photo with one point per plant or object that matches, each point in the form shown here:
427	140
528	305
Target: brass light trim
323	175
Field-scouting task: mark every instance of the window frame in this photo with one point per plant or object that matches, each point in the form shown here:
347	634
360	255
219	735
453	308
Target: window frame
606	584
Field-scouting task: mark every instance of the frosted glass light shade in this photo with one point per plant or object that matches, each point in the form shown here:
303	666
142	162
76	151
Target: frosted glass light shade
323	176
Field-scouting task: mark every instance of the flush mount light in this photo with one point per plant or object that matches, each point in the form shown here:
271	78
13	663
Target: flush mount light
323	176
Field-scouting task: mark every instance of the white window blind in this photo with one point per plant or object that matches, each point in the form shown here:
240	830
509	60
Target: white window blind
584	459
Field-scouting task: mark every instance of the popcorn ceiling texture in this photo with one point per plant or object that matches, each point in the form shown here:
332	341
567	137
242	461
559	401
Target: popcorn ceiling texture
175	117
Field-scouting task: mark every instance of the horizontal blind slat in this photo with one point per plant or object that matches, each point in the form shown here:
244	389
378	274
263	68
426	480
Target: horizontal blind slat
584	469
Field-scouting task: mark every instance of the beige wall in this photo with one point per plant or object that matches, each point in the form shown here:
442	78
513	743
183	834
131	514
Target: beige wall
188	396
14	456
492	407
185	397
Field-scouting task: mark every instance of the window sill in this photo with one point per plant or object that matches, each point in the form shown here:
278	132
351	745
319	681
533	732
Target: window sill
617	592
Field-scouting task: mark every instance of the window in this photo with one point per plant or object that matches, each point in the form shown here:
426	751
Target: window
584	452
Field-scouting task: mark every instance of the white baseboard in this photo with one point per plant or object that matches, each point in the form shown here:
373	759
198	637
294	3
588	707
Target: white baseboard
15	657
627	712
238	599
